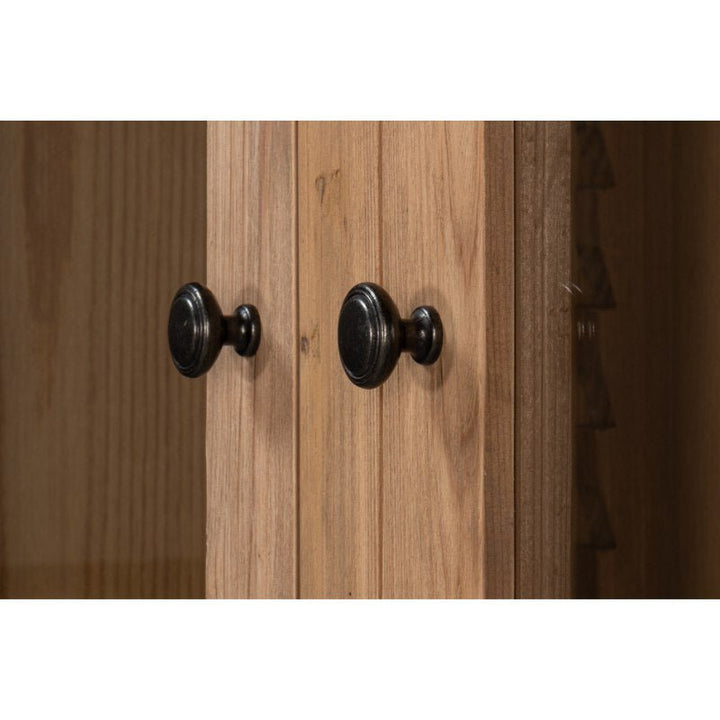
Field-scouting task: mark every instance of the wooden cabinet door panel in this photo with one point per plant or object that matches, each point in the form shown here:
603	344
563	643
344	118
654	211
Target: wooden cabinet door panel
340	434
407	490
102	490
411	489
251	402
447	220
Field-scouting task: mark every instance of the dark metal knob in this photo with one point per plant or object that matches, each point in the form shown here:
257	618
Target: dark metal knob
371	335
197	329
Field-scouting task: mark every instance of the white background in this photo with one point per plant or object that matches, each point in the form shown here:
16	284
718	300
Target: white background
359	659
369	60
376	59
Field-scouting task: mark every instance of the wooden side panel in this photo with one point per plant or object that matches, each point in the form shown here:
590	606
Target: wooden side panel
340	449
251	407
543	376
447	447
101	441
660	353
695	278
634	459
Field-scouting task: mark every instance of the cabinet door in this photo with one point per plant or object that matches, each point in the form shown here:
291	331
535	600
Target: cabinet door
317	488
407	490
102	479
252	419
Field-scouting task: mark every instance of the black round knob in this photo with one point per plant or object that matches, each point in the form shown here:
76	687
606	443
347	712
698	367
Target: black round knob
197	329
371	335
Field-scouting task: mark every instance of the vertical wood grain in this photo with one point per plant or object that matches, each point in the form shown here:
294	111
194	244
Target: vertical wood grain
407	490
101	441
447	229
251	402
501	356
543	375
340	450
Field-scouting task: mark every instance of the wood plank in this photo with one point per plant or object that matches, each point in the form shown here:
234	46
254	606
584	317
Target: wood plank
543	375
101	441
251	402
500	269
339	463
447	430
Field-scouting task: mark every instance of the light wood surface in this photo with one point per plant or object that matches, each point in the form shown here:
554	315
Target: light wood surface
447	456
101	441
251	402
340	439
407	490
543	376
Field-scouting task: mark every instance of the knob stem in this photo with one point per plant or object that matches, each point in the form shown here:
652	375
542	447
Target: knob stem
423	335
242	330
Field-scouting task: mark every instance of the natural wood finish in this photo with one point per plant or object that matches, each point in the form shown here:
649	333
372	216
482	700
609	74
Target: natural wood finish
447	455
251	402
543	376
391	506
101	441
696	357
340	450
